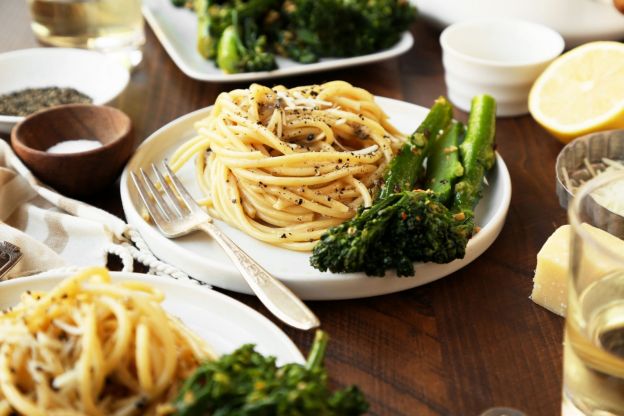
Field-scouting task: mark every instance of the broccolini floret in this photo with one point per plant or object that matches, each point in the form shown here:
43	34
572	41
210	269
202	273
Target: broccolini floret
247	383
244	52
403	228
341	28
217	16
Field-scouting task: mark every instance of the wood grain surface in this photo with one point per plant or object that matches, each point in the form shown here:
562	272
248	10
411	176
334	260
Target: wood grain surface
453	347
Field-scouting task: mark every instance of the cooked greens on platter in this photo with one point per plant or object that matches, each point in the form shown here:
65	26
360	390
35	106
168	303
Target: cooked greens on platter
245	36
247	383
420	215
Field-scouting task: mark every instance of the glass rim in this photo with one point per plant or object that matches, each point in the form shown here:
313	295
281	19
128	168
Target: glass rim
574	208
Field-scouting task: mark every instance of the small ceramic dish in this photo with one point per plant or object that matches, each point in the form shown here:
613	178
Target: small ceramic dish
89	72
580	161
500	57
77	173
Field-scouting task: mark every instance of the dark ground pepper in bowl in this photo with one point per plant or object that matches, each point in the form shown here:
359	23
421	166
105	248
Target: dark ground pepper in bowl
31	100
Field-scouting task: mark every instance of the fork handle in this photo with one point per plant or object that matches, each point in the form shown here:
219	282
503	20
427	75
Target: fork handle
278	299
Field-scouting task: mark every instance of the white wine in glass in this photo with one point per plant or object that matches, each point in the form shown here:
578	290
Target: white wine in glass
594	332
103	25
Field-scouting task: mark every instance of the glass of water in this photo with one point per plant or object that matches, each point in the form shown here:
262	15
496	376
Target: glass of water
593	373
110	26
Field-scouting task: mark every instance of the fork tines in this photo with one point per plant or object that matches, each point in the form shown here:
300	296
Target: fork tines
165	199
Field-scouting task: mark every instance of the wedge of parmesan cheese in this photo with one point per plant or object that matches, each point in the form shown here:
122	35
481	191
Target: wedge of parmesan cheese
551	273
549	283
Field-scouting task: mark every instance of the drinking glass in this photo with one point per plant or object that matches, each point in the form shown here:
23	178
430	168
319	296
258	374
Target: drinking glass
110	26
593	371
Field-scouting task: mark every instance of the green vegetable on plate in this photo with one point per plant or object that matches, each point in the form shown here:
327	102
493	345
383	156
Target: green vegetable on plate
247	383
407	165
245	36
312	29
407	224
243	54
443	166
477	154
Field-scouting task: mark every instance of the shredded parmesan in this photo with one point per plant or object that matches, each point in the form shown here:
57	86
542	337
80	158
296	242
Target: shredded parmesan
610	196
366	150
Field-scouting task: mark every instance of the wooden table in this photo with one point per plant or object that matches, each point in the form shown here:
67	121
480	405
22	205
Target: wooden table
453	347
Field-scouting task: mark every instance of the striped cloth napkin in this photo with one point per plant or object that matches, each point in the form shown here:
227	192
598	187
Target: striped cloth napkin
54	231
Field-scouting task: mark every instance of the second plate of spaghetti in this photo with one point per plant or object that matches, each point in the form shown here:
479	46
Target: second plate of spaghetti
277	168
100	343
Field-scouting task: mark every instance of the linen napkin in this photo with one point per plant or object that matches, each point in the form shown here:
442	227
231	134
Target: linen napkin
54	231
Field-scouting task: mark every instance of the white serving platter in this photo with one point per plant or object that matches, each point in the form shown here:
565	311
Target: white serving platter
176	29
223	322
578	21
200	257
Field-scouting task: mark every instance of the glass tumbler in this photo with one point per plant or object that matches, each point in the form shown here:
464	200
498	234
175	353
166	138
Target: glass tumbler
593	370
110	26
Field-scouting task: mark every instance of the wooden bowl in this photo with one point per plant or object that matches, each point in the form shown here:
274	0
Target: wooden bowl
77	174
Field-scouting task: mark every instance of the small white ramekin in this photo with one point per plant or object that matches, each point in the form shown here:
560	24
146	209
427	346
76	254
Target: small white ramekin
500	57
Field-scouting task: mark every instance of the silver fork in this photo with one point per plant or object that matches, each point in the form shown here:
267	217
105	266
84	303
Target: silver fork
10	255
176	213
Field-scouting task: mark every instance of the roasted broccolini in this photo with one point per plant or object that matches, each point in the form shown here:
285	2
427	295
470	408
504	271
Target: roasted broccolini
406	225
303	30
407	166
319	28
246	383
443	165
398	230
477	154
243	52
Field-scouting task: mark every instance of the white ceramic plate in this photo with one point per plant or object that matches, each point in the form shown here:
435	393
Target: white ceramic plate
202	258
92	73
578	21
224	323
176	30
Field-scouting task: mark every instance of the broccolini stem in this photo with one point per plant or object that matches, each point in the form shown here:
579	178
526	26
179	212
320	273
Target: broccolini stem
206	43
476	153
228	55
317	351
255	7
443	166
407	167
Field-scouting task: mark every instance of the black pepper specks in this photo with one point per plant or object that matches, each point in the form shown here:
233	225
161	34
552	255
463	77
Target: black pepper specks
30	100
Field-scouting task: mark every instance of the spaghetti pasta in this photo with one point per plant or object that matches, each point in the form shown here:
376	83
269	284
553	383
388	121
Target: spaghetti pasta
284	165
93	347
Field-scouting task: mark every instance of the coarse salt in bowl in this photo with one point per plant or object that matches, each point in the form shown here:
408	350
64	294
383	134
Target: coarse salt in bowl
500	57
57	145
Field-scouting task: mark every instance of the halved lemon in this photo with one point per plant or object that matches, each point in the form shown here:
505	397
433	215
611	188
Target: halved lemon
581	92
